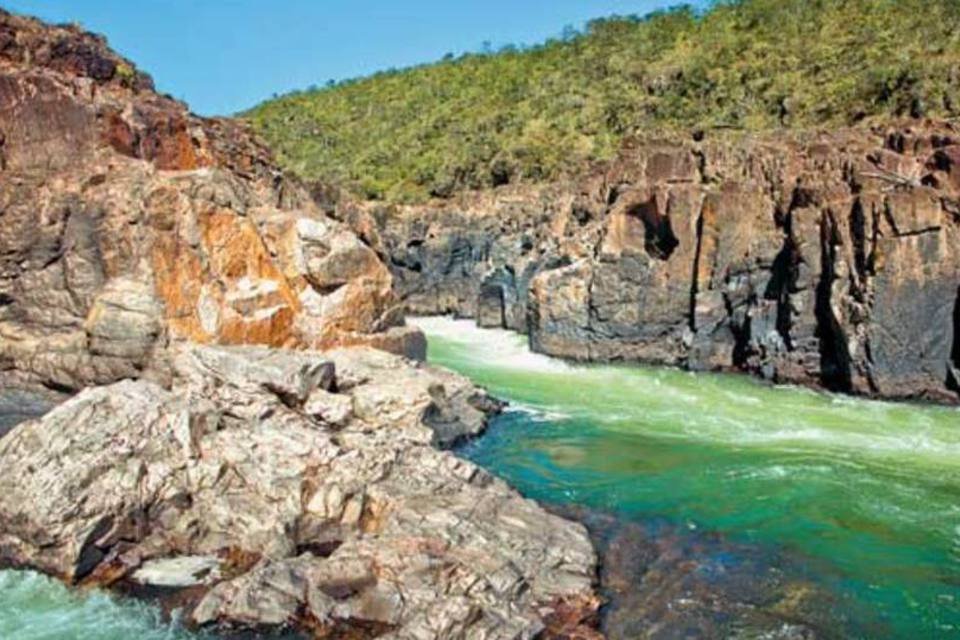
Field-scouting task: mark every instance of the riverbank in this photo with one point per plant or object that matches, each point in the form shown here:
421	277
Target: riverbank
844	507
264	491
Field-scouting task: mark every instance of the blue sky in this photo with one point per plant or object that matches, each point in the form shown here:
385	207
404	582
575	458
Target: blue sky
223	56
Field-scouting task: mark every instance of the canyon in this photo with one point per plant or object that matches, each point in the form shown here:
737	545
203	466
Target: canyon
824	259
211	397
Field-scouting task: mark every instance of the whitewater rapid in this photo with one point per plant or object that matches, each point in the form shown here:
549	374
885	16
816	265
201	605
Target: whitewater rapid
861	497
723	408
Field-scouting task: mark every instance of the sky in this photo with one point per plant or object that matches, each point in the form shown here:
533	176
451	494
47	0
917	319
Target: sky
224	56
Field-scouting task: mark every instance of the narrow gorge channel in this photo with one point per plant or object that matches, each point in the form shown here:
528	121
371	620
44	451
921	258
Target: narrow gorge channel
772	510
721	506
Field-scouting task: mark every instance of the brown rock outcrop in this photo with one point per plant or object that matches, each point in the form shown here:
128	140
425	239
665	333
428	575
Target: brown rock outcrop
251	487
823	259
126	223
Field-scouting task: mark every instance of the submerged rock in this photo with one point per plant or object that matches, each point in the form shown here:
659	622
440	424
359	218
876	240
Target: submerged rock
221	482
661	581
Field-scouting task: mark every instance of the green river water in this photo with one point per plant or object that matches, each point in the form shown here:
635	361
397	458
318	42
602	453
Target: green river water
863	497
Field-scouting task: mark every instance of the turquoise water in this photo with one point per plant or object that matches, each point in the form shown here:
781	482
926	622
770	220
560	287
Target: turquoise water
863	496
34	607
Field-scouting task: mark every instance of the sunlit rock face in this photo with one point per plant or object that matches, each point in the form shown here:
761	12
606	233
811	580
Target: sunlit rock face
126	223
261	488
824	259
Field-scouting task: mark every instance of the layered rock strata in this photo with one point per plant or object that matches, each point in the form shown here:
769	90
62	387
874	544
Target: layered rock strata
274	489
823	259
126	223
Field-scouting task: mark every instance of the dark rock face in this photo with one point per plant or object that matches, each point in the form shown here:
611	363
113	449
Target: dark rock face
19	406
829	260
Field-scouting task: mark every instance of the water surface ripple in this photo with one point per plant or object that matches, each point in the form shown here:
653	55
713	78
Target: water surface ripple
863	496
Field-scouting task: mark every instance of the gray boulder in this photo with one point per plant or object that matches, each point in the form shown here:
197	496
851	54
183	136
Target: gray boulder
229	478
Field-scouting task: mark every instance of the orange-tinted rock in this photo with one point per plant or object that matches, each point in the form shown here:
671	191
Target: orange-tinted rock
108	189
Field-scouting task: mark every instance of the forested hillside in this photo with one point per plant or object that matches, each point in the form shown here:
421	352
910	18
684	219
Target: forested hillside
536	113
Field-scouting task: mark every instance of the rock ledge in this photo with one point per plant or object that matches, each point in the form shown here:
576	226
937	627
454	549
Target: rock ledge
260	488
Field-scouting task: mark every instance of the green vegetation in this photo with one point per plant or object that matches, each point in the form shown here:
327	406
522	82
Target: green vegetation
126	74
534	114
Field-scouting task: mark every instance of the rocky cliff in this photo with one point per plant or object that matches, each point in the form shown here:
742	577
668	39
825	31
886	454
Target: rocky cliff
213	459
127	222
824	259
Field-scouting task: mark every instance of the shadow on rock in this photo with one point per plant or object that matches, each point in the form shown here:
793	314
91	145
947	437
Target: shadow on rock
19	406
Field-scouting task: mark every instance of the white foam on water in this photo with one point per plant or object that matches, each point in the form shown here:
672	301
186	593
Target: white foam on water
539	414
709	407
772	472
34	607
492	347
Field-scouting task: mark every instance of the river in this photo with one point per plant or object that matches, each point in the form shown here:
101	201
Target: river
859	500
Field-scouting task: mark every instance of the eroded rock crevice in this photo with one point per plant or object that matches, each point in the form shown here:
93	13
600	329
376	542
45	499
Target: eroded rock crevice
953	365
835	365
660	241
670	255
695	277
782	285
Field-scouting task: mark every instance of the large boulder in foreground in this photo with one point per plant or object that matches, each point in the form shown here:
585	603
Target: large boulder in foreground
262	488
128	222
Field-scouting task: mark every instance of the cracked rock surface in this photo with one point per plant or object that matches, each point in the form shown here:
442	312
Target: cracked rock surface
224	482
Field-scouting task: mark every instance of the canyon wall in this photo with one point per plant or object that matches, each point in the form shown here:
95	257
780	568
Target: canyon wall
822	259
126	222
217	454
